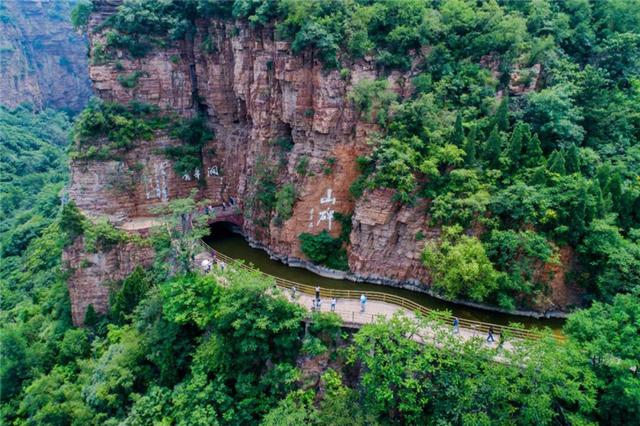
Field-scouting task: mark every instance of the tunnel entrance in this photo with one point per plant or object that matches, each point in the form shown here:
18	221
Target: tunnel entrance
222	230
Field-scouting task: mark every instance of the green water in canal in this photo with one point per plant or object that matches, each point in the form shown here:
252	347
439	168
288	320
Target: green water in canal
235	246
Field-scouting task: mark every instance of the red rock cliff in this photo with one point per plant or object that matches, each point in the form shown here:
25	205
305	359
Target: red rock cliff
255	91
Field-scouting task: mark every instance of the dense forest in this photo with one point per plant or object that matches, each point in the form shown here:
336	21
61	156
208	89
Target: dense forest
178	347
553	167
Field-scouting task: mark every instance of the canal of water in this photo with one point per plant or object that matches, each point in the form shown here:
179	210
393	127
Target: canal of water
235	246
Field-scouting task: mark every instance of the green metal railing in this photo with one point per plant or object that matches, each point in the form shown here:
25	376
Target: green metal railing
409	305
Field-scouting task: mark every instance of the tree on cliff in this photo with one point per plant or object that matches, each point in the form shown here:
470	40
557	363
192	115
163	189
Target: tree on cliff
182	223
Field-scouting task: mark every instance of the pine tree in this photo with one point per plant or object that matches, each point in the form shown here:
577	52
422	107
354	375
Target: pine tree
573	159
539	176
602	175
458	132
502	115
493	148
599	205
614	187
534	155
470	147
514	151
577	218
557	163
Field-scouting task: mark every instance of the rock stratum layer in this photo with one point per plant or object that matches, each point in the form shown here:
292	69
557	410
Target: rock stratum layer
255	91
42	60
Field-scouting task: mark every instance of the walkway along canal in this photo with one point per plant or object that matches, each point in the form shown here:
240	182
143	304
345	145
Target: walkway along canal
232	246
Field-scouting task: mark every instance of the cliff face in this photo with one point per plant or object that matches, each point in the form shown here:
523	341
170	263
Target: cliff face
256	92
42	60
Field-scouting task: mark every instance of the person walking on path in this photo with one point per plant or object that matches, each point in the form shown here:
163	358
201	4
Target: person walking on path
333	304
456	325
363	302
206	266
317	292
293	293
490	338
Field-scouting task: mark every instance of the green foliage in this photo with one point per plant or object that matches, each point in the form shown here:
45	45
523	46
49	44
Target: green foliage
556	163
534	155
515	147
553	114
460	266
187	156
284	143
90	317
521	256
470	151
373	96
346	224
405	382
177	235
303	166
72	222
128	294
138	27
101	235
325	250
80	13
501	119
265	189
285	199
32	174
609	336
104	129
458	132
493	148
572	159
190	299
130	81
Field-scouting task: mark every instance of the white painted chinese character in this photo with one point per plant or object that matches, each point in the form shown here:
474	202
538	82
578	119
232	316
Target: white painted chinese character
196	173
328	198
311	218
186	177
213	171
326	215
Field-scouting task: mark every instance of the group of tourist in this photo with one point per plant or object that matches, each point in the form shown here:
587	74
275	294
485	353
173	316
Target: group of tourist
207	264
230	202
456	330
316	303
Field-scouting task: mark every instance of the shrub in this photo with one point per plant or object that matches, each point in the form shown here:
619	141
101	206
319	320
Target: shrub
328	165
101	235
370	96
284	143
460	267
71	221
80	14
131	80
303	165
187	157
285	199
324	250
131	291
121	126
